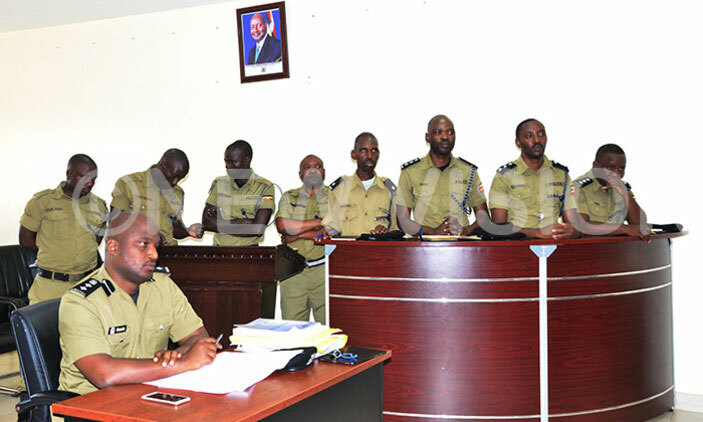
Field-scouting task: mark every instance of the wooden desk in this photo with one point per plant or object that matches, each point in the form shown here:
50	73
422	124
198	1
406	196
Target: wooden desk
349	393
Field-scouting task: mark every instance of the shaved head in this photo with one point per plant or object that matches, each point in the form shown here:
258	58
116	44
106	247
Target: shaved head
436	119
124	223
79	159
174	157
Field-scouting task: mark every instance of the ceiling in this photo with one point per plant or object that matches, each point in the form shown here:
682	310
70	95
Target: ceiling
18	15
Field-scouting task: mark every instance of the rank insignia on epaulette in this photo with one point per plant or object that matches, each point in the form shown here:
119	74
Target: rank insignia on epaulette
468	162
627	185
505	167
388	183
86	287
164	270
336	183
560	166
583	182
410	163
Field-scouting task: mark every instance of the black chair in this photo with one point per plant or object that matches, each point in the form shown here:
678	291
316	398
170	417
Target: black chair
16	277
36	332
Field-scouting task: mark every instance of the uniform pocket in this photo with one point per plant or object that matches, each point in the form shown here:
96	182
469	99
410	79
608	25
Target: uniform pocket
351	213
158	328
57	224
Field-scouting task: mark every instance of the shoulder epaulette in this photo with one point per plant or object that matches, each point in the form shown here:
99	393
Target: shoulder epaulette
560	166
505	167
627	185
388	183
469	163
44	192
90	285
336	183
164	270
583	182
409	163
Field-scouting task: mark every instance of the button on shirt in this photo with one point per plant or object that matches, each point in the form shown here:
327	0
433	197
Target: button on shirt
113	324
532	198
240	202
138	192
433	194
601	205
355	210
297	204
66	240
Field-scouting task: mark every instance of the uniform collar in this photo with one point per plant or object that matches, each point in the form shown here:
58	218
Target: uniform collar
595	180
150	181
302	192
357	183
522	166
102	274
251	180
58	194
426	162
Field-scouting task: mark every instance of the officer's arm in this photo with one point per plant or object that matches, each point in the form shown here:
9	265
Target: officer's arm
635	214
28	238
483	219
255	226
291	227
405	222
499	215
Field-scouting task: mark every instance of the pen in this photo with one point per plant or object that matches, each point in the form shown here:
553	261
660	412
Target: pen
218	339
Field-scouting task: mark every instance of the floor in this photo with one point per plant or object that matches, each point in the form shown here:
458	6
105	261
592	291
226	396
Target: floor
9	364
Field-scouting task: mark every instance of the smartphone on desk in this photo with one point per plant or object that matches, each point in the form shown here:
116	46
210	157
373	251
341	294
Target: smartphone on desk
166	398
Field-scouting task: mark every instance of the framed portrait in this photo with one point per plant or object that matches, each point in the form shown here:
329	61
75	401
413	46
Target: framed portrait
263	44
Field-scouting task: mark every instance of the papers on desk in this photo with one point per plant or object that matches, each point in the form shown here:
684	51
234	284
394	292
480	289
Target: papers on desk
269	334
230	371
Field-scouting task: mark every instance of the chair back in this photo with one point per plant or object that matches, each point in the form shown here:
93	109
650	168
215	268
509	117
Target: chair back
15	274
36	332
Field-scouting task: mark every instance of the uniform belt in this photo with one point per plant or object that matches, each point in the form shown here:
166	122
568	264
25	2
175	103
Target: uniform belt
62	276
311	263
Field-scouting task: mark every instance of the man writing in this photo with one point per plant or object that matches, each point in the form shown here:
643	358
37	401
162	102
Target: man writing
66	241
114	326
156	194
299	221
363	202
605	201
441	190
240	204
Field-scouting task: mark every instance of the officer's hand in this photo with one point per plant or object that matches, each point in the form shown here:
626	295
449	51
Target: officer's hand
443	228
196	230
563	231
167	357
455	227
288	238
201	353
380	229
644	233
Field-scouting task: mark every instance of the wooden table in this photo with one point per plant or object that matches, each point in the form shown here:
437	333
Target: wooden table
322	392
470	313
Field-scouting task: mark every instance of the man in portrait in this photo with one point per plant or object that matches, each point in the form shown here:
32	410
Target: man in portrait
267	48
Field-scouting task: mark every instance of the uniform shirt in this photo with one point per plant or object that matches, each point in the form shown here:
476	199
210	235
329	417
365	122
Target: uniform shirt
138	192
297	204
532	198
433	194
355	210
97	317
601	205
66	240
235	202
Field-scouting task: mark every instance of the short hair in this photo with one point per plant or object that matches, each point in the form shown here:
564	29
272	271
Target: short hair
608	149
80	159
363	135
523	123
240	145
175	156
438	117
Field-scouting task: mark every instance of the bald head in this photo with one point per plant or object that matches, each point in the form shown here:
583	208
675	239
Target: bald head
436	119
174	166
312	171
124	223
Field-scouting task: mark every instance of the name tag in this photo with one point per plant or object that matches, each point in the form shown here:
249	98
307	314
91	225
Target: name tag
116	330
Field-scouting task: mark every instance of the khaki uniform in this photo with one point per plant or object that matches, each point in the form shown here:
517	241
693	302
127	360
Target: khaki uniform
533	199
235	202
601	206
139	193
305	291
355	210
66	240
433	194
97	317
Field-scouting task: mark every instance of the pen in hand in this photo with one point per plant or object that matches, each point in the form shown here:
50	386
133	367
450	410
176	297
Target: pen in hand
217	341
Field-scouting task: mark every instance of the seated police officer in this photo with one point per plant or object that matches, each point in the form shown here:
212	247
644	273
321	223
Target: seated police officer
115	325
605	201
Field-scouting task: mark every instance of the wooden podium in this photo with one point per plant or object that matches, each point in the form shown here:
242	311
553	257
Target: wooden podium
230	285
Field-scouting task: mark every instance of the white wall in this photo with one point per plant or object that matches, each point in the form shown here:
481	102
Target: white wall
124	90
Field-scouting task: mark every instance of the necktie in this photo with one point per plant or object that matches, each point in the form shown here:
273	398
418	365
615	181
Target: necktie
258	48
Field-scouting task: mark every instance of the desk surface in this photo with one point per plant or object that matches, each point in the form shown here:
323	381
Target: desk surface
278	391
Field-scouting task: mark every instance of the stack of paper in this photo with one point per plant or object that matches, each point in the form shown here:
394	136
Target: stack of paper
269	334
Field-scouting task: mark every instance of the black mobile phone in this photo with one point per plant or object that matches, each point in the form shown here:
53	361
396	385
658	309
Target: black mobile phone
166	398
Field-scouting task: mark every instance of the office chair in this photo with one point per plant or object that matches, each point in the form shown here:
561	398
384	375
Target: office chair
36	332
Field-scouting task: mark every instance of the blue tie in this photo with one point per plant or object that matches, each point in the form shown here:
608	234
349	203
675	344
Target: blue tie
258	48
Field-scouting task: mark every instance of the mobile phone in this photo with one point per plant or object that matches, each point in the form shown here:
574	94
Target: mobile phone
171	399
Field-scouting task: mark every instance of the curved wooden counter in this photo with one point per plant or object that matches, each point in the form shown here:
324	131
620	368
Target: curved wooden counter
462	320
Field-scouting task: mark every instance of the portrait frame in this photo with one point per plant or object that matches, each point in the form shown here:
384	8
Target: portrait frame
271	59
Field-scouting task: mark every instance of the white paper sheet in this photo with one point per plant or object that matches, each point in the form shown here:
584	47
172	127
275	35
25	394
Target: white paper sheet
230	371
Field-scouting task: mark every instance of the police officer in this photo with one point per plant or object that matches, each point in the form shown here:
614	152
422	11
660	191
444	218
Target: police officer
66	241
363	202
240	204
115	324
156	194
299	221
441	190
532	192
605	201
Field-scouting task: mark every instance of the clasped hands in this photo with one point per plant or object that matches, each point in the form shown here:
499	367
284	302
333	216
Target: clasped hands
202	352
